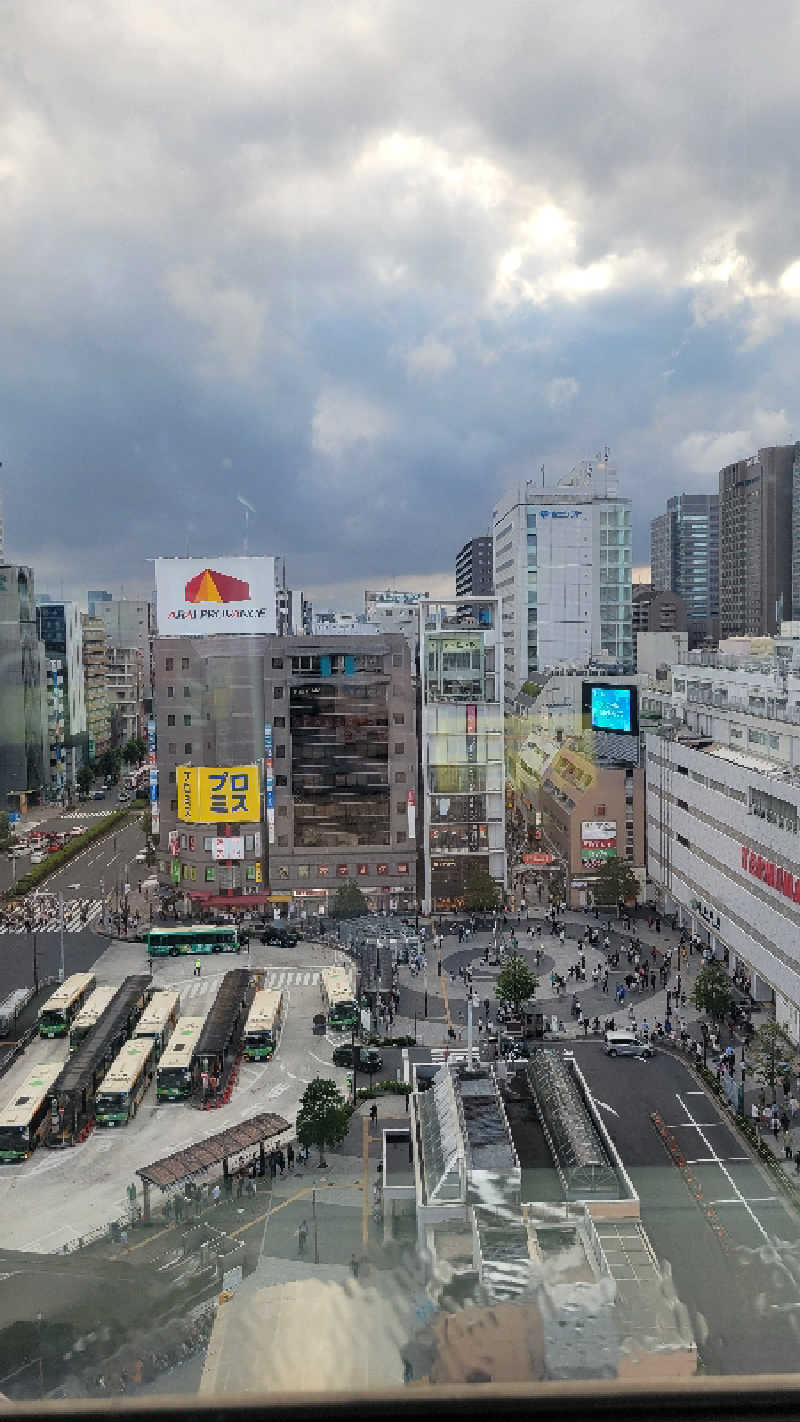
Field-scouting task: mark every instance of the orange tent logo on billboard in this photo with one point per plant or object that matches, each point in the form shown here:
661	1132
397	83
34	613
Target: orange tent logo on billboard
210	586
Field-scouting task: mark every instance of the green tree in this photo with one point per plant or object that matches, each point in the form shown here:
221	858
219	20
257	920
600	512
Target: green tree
516	983
109	763
349	902
5	835
615	880
85	779
769	1055
482	892
712	991
323	1116
557	887
130	753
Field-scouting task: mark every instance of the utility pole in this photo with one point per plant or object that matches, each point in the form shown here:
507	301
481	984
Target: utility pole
60	936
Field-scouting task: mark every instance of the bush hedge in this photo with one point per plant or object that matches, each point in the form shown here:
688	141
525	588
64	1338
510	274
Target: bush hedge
375	1041
382	1088
39	872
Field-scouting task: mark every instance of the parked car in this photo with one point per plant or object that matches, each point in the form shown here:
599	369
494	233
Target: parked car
37	857
284	937
99	795
368	1059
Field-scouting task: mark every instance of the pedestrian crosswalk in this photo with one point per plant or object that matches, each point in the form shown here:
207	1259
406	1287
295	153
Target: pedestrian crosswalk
42	913
451	1055
274	978
86	814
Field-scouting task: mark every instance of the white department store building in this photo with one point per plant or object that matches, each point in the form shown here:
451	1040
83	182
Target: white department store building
723	818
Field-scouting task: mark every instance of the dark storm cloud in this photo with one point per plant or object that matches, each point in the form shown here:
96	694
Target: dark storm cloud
368	263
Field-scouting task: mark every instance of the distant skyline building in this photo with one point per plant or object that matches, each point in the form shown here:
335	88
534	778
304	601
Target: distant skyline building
23	692
95	670
130	622
563	568
755	556
474	567
95	596
684	559
395	611
61	631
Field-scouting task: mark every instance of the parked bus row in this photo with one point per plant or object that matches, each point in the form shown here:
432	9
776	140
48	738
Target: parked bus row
72	1096
193	940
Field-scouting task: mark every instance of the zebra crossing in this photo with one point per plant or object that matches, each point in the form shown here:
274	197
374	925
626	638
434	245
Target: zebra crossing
86	814
273	978
42	912
454	1056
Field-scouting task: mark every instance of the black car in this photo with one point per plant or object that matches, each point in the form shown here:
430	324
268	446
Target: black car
319	1025
369	1059
284	937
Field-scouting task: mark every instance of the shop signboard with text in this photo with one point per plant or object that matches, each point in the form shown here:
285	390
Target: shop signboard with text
598	842
210	793
198	597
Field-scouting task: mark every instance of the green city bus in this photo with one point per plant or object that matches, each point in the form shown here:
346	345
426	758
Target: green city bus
195	939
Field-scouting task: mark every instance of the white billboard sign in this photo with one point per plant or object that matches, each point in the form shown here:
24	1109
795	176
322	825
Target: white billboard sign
197	597
231	847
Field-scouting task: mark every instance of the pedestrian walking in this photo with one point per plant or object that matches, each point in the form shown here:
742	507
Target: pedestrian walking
197	968
290	1155
302	1237
354	1266
373	1112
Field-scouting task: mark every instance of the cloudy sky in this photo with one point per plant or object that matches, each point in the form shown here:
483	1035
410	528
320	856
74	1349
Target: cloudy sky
367	263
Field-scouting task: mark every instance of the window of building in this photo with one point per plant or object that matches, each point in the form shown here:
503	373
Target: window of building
399	777
280	752
170	691
172	747
249	843
283	811
184	663
279	723
169	664
281	780
187	747
187	691
184	841
209	873
250	871
171	777
401	836
187	720
401	807
277	692
283	841
303	871
399	747
398	718
208	843
173	804
397	660
277	663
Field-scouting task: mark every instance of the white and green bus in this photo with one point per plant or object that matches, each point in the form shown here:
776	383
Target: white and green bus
25	1119
263	1026
174	1072
193	939
57	1015
126	1081
339	998
89	1015
159	1018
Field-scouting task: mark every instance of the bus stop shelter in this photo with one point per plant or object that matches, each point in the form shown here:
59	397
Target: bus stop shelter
218	1149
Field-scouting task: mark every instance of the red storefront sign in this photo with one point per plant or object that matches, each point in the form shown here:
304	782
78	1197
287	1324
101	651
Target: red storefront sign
537	857
472	720
774	875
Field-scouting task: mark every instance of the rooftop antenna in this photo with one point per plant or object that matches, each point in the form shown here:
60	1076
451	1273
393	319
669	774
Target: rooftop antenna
248	509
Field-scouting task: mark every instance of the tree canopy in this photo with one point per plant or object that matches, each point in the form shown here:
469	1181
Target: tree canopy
769	1055
85	779
712	991
349	902
516	983
323	1116
615	880
134	752
482	892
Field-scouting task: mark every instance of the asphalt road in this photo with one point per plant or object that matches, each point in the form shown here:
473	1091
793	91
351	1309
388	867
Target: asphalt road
731	1241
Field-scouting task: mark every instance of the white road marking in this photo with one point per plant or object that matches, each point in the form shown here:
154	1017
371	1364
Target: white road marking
606	1107
721	1164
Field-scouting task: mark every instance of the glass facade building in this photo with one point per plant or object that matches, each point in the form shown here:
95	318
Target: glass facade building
684	559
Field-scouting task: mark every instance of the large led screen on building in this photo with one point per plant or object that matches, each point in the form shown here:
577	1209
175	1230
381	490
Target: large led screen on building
196	597
611	708
224	792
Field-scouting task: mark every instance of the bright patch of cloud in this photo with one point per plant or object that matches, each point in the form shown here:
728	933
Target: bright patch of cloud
430	359
344	419
708	451
561	392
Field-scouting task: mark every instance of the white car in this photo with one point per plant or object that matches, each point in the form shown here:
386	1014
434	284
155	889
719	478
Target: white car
141	857
77	830
37	857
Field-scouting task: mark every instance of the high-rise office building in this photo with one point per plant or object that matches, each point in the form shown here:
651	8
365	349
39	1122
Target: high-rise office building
562	566
95	671
129	622
474	575
23	693
463	747
684	559
61	632
796	534
755	550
